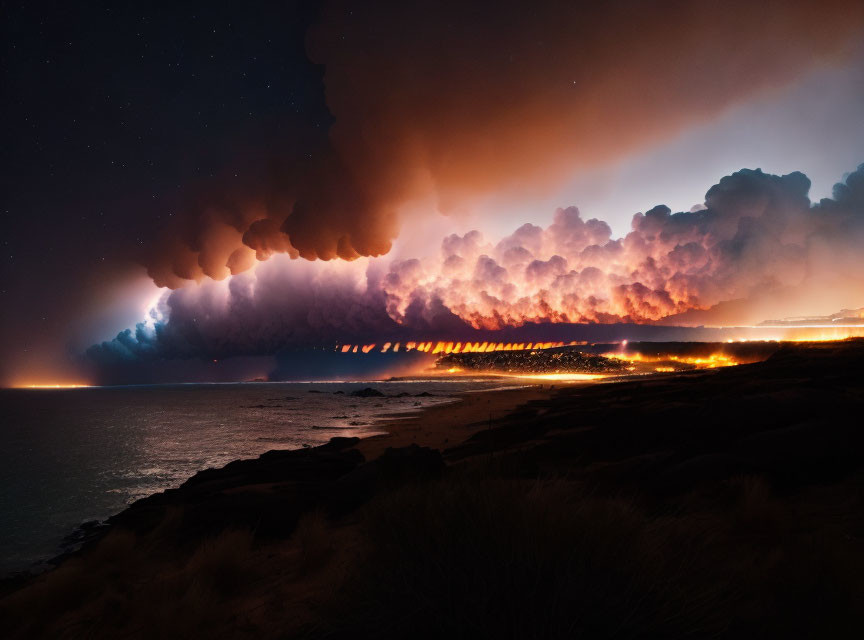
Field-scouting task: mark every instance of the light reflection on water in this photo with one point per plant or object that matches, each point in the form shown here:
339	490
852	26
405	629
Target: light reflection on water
69	456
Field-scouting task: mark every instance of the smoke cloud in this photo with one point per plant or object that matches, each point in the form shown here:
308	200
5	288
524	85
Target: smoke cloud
442	102
758	238
757	234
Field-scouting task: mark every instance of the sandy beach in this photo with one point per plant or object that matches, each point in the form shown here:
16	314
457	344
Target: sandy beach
446	425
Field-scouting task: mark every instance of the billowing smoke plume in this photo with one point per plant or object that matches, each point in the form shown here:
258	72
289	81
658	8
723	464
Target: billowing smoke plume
440	102
278	305
757	236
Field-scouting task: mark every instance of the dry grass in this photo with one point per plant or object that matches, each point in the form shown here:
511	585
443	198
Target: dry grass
496	558
480	553
504	558
314	542
127	587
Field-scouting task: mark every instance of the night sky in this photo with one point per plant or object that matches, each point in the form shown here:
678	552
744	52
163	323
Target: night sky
114	115
186	140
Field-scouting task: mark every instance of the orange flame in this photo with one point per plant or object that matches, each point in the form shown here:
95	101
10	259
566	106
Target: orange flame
441	346
701	362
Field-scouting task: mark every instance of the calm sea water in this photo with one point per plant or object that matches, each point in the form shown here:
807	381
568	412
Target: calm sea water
71	456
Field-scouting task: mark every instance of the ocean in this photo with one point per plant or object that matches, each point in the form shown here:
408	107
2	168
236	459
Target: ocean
70	456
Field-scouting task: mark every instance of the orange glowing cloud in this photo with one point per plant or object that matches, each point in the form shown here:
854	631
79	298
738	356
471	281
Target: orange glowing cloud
443	102
757	235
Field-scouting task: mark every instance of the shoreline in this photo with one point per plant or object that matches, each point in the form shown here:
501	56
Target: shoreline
441	426
429	426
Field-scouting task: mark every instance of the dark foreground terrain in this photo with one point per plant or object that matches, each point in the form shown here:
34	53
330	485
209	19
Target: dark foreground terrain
723	503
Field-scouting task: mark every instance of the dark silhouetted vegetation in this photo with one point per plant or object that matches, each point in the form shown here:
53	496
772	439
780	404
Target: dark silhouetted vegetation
711	504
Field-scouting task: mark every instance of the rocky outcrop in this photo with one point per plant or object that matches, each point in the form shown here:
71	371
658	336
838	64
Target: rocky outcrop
270	494
368	392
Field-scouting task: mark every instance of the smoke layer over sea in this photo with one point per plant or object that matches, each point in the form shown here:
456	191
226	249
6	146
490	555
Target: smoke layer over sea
758	248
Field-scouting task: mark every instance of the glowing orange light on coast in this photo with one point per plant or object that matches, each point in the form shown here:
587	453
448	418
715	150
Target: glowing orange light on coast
801	333
52	385
559	377
707	362
823	334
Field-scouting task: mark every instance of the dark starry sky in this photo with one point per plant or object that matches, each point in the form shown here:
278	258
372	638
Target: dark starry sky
113	113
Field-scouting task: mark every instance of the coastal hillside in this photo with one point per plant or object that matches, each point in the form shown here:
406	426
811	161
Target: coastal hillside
724	503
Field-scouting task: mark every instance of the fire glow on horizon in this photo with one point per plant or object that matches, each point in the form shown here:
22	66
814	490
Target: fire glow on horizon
636	362
435	347
560	377
52	385
775	333
712	361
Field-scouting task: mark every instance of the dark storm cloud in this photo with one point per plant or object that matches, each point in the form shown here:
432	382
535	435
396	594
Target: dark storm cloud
441	101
